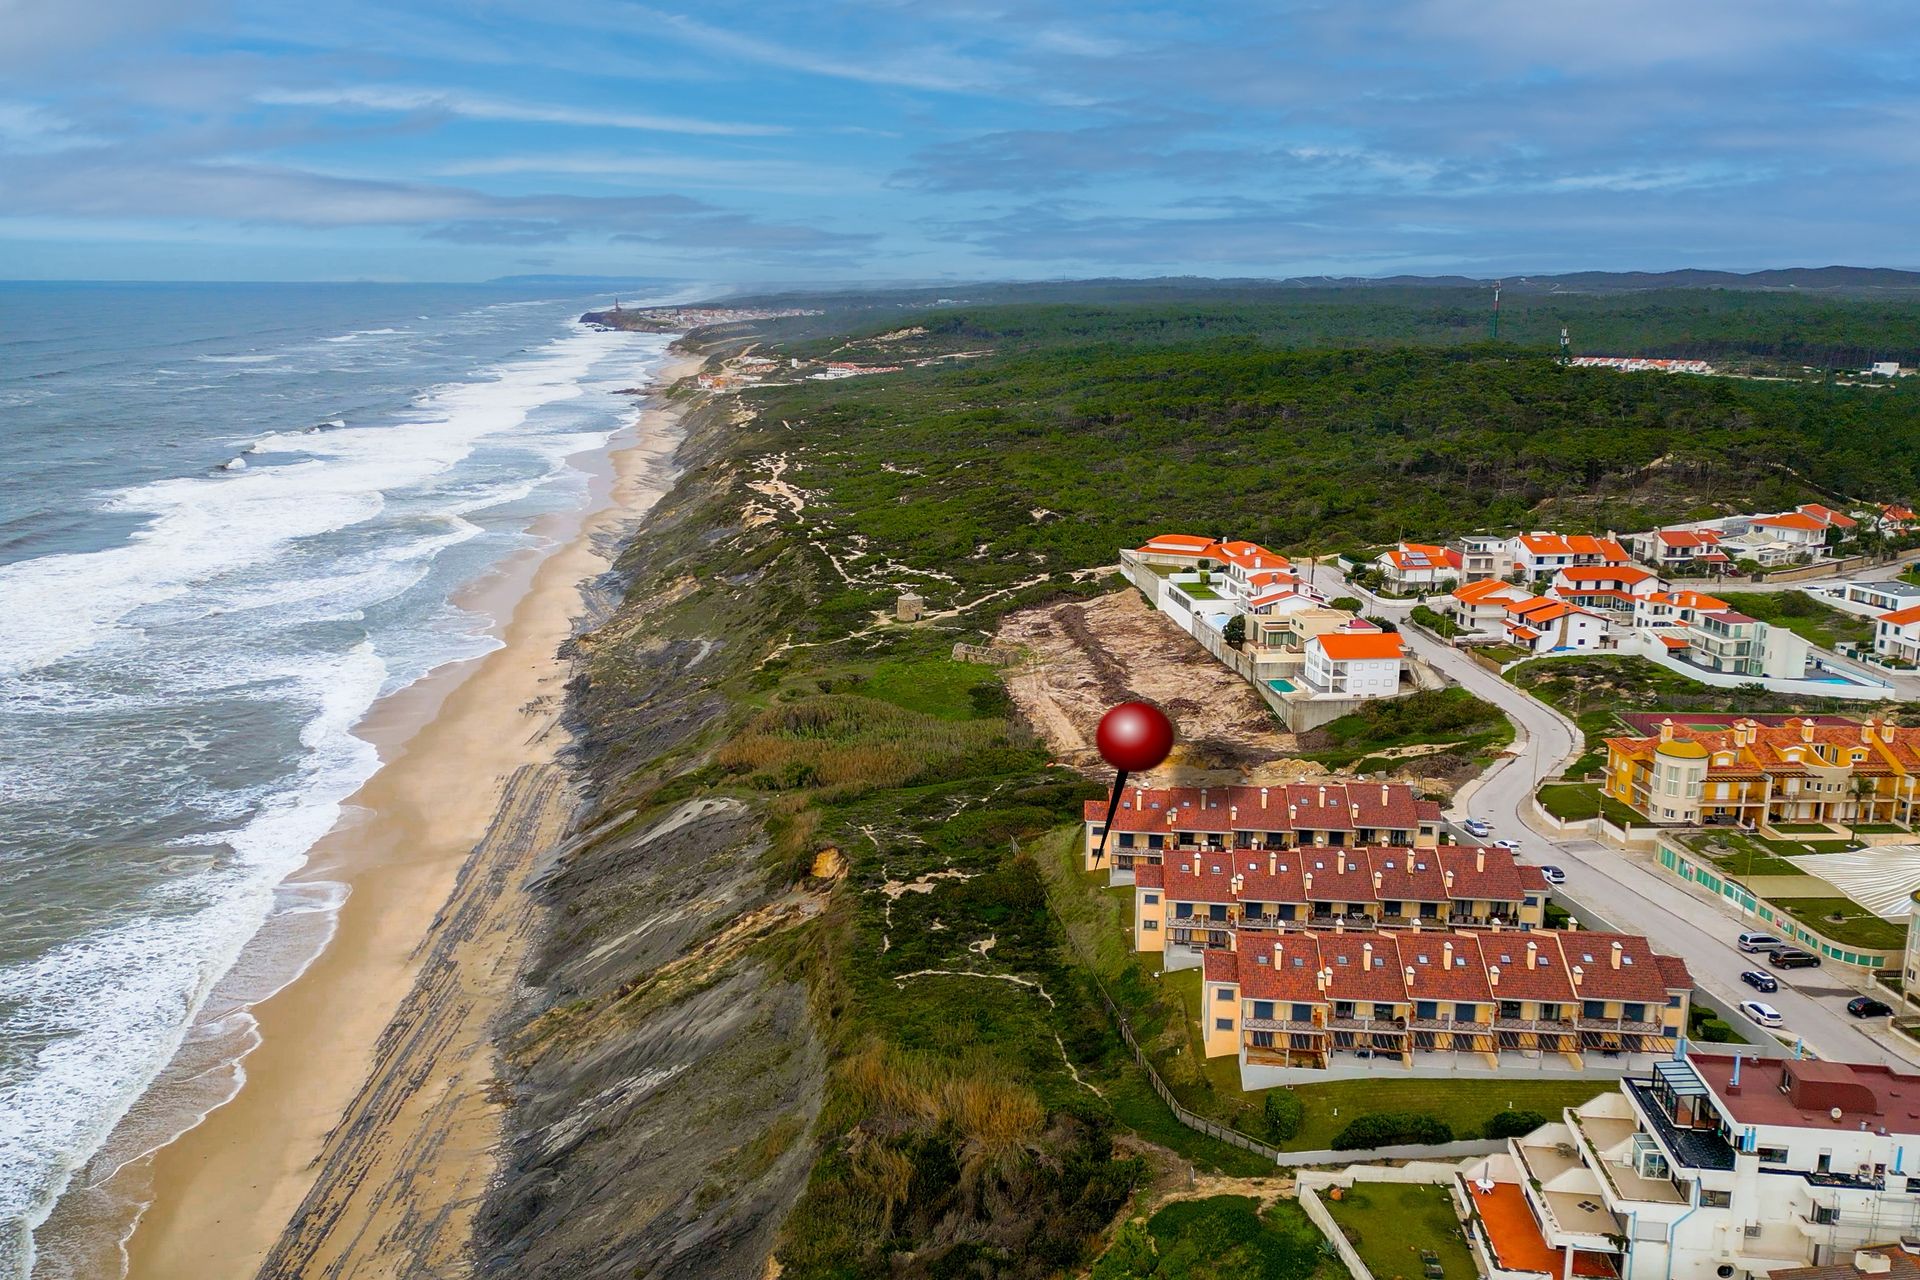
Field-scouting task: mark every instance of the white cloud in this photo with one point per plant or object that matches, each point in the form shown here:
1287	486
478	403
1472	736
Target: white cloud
26	129
935	69
403	99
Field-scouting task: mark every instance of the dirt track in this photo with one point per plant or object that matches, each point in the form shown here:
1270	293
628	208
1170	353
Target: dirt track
1083	658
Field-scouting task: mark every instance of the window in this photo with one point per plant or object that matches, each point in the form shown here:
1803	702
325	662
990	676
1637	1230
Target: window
1150	926
1153	899
1426	1009
1772	1155
1223	993
1715	1199
1223	1024
1303	1013
1126	839
1593	1009
1465	1013
1263	1008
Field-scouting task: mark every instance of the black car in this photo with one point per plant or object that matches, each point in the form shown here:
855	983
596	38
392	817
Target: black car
1868	1007
1793	958
1760	981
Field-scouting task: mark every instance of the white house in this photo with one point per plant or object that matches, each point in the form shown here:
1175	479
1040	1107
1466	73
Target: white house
1674	608
1610	589
1677	548
1886	597
1897	635
1542	624
1795	529
1705	1168
1541	554
1356	664
1412	566
1482	605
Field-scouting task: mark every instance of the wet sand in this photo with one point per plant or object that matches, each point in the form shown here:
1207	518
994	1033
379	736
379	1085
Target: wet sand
365	1132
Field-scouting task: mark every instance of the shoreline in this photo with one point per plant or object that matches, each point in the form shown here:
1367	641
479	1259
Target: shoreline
433	851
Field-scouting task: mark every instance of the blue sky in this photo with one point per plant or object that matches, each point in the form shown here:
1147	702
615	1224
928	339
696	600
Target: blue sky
924	139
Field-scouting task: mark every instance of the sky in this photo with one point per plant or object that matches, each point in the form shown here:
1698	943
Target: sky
921	140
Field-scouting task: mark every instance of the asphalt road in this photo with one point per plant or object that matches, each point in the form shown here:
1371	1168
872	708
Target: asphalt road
1629	890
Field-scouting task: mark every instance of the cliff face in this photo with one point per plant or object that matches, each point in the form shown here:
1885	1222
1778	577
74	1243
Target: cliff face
664	1077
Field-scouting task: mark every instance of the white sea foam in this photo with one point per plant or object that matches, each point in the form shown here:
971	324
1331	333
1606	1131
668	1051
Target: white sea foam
358	334
351	521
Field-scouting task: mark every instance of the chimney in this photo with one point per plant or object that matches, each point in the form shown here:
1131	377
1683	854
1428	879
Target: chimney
1306	881
1866	732
1376	880
1236	882
1533	955
1323	795
1340	861
1666	730
1203	797
1383	793
1579	975
1290	811
1448	877
1806	731
1409	977
1480	858
1616	955
1320	978
1886	730
1366	955
1233	814
1446	955
1354	810
1263	797
1279	952
1273	862
1139	797
1493	975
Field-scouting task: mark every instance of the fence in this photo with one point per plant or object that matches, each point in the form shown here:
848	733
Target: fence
996	655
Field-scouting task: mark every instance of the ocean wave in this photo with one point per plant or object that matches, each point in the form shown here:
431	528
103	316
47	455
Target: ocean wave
358	334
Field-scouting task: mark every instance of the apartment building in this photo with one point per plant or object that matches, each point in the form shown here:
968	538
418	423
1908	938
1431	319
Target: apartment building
1354	663
1482	605
1735	644
1152	824
1708	1166
1753	774
1674	608
1201	901
1896	635
1543	624
1678	548
1608	589
1297	1005
1542	554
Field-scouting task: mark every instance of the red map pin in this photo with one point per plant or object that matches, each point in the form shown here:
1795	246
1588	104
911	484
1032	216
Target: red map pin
1133	737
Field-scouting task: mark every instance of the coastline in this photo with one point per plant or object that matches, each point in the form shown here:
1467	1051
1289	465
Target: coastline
433	851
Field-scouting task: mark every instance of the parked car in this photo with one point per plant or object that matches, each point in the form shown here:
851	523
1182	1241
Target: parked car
1752	942
1759	980
1762	1012
1475	827
1792	958
1554	875
1507	844
1868	1007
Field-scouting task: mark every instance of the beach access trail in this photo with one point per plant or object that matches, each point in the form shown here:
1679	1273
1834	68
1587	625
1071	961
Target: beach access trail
370	1122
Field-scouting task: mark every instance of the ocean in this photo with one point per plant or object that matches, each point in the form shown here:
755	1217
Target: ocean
231	519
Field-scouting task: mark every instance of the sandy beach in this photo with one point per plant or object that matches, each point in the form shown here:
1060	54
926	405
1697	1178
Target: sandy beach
366	1120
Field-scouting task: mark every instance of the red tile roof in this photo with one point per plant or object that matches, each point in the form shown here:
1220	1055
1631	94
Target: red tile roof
1901	617
1575	544
1689	537
1604	573
1333	806
1790	520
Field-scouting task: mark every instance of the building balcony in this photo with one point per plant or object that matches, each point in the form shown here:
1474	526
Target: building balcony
1372	1026
1291	1026
1619	1024
1449	1024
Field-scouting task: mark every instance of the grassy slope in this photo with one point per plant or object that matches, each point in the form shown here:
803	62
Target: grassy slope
1221	1238
1389	1224
1801	614
968	1119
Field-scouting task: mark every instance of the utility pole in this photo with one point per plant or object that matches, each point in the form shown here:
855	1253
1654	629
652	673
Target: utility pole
1496	310
1565	355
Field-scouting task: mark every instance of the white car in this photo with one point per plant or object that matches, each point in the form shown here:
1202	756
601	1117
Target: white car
1475	827
1514	845
1762	1012
1554	875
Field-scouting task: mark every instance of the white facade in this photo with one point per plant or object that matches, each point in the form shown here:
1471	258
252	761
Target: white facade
1713	1168
1897	635
1352	677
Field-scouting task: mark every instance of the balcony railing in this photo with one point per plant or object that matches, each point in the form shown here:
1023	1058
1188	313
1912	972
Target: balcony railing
1380	1026
1289	1025
1450	1024
1619	1024
1556	1026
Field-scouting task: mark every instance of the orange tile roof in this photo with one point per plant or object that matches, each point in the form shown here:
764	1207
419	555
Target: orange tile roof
1352	646
1826	515
1517	1242
1690	537
1480	589
1790	520
1251	555
1576	544
1604	573
1687	600
1901	617
1185	543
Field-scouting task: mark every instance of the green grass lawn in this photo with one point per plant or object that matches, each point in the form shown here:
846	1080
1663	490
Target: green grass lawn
1858	928
1466	1104
1197	590
1222	1238
1577	801
1879	829
1801	826
1501	653
933	686
1741	855
1801	614
1388	1224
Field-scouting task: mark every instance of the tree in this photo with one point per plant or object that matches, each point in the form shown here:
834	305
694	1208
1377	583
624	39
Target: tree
1284	1114
1235	632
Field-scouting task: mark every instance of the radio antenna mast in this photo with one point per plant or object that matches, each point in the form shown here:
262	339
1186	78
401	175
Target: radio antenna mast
1496	309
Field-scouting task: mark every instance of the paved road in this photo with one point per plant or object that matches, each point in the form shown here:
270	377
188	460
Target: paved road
1627	889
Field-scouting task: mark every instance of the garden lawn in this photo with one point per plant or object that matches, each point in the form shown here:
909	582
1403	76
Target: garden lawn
1466	1104
1577	801
1859	928
1389	1223
1801	614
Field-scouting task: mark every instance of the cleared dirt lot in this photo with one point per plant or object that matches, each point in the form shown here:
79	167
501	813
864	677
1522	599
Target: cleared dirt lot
1085	657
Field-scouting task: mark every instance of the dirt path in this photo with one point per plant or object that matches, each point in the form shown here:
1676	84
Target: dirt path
1084	657
403	1172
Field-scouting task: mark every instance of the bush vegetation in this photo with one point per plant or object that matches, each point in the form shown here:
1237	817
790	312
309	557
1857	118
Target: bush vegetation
1391	1129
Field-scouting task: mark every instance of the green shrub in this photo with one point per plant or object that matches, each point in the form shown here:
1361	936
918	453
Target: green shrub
1350	603
1284	1114
1392	1129
1513	1124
